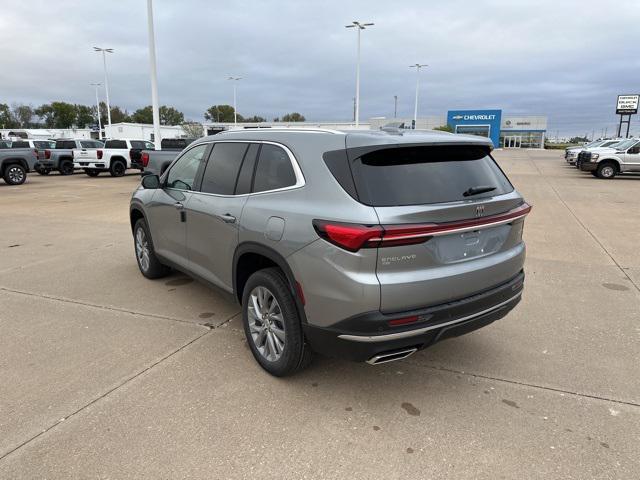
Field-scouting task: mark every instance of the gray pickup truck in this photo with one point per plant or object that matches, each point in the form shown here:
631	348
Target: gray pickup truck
155	162
15	163
60	157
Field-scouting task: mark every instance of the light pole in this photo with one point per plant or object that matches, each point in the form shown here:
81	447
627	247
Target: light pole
235	109
106	81
98	109
358	26
154	78
395	106
417	66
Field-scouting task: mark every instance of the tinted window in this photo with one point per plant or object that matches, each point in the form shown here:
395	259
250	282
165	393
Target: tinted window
115	144
245	177
139	144
42	144
65	144
274	169
183	173
149	146
20	144
223	167
422	175
90	144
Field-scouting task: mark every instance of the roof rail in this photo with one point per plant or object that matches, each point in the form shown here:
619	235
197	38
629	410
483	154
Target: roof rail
285	129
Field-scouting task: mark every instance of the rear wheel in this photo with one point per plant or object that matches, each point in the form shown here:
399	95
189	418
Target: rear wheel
92	172
66	167
118	168
15	174
272	324
607	170
148	262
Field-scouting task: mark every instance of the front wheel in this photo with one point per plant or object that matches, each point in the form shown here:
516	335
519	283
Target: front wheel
92	172
15	174
148	262
272	324
606	170
118	168
66	167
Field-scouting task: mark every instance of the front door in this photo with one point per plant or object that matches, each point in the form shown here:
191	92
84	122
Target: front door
512	141
166	212
213	213
632	159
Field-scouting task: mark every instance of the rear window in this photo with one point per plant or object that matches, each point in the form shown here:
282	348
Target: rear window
90	144
139	144
424	175
65	144
115	144
20	144
41	144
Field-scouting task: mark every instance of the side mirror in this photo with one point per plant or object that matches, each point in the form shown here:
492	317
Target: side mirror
150	181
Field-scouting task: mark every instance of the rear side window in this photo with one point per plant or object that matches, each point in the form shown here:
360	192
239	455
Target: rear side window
245	177
65	145
424	175
274	169
222	168
115	144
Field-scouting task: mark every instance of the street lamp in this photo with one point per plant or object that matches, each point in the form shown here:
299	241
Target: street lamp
235	109
154	78
358	26
106	80
417	66
98	109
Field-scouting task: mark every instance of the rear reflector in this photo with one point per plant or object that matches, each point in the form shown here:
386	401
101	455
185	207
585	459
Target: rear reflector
403	321
353	237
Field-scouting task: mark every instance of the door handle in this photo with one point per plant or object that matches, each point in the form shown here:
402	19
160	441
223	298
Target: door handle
226	218
178	205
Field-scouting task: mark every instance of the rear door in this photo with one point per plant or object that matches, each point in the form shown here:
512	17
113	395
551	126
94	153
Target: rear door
213	213
166	212
420	189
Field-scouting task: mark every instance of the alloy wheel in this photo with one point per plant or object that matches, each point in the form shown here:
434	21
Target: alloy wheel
266	323
142	249
16	175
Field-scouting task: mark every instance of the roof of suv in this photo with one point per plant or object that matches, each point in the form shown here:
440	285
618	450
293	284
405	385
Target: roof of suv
355	138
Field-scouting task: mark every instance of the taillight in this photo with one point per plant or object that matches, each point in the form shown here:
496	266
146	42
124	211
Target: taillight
353	237
47	154
99	154
144	157
349	236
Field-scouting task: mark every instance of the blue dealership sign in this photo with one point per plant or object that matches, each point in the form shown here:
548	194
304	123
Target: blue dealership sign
476	122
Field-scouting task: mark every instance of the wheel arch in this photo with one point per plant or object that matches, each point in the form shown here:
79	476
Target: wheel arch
118	158
135	214
612	160
13	161
250	257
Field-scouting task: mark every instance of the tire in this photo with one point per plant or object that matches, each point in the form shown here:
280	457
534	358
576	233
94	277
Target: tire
43	171
117	168
279	358
148	262
66	167
595	174
15	174
92	172
607	170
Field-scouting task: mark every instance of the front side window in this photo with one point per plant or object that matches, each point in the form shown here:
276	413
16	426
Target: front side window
222	168
183	173
274	169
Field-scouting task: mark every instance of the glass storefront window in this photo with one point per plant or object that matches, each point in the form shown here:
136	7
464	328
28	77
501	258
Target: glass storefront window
520	139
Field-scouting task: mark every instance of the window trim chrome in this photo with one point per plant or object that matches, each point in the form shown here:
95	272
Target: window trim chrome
300	180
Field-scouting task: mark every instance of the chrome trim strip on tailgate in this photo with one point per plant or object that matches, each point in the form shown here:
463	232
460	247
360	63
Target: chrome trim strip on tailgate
420	331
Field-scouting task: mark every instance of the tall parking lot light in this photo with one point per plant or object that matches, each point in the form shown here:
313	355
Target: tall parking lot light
235	108
98	109
417	66
155	107
106	80
358	26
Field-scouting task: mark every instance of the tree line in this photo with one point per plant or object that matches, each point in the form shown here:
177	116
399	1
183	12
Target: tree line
67	115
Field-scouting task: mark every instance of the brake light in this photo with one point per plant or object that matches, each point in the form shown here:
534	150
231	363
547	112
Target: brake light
353	237
47	154
144	157
99	154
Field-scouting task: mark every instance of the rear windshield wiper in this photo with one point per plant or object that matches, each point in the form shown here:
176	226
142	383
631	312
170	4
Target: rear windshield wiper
477	190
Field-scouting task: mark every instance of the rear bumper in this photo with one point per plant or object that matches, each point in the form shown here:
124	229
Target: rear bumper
43	164
588	166
361	337
92	165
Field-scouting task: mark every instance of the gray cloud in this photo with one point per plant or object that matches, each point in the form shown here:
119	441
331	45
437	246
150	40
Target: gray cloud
567	60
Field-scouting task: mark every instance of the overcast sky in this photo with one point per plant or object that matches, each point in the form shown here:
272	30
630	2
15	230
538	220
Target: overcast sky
564	59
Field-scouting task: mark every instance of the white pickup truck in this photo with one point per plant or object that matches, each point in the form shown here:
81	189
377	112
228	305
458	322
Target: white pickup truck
116	157
623	157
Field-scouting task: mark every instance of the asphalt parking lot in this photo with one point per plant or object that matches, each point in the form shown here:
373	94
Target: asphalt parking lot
104	374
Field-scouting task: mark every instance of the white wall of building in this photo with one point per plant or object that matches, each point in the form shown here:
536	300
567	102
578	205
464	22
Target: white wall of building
140	131
46	133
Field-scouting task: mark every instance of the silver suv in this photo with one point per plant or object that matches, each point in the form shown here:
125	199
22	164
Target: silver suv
367	245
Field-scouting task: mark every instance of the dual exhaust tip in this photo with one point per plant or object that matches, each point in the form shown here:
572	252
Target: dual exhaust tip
391	356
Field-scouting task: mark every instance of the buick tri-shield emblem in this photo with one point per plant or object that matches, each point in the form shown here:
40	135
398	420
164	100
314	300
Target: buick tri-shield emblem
479	210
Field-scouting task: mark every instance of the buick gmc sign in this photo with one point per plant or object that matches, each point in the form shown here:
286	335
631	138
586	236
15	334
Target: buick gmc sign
476	122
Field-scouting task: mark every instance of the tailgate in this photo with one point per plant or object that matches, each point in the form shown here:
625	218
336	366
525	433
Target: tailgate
85	154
